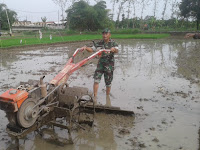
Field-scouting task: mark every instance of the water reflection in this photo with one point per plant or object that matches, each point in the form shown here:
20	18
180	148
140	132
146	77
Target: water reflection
7	58
155	57
188	60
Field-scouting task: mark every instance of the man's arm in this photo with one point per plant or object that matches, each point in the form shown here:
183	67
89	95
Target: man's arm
195	36
89	49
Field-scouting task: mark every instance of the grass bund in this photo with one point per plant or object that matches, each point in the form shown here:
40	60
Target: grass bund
34	40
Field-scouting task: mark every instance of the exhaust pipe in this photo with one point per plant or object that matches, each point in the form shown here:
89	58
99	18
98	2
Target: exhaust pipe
43	87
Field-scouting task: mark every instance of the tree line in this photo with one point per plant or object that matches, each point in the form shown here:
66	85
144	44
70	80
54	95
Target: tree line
81	16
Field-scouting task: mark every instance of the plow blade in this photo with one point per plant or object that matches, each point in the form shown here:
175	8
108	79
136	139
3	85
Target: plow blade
109	110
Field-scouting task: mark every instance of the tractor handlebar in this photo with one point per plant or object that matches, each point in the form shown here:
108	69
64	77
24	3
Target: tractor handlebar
70	67
96	53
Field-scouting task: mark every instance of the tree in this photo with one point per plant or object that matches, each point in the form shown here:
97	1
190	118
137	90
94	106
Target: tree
62	5
44	20
150	20
129	7
164	10
12	16
190	9
120	8
174	8
144	4
113	7
134	2
155	7
81	16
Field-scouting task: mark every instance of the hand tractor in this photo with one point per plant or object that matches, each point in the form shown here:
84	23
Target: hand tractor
35	104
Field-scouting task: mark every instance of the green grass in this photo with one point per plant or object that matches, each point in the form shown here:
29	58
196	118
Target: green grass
139	36
30	40
169	29
126	31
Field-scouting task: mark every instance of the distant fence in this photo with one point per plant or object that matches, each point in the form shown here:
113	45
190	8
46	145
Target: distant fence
56	27
35	28
26	28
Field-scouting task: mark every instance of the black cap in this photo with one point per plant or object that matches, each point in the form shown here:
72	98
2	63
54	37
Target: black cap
106	30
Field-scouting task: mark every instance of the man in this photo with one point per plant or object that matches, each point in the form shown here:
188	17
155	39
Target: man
194	35
105	64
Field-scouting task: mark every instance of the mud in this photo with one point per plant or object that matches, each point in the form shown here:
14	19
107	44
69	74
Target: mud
157	79
199	138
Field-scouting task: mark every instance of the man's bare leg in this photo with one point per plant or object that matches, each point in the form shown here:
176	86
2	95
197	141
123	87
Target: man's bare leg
108	88
108	102
95	90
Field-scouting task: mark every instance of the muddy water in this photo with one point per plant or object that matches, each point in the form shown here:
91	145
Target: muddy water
157	79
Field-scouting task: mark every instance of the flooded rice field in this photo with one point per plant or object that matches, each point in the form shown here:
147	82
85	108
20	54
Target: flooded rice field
157	79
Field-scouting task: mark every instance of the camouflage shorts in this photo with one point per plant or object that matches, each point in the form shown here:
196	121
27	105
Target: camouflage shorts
107	70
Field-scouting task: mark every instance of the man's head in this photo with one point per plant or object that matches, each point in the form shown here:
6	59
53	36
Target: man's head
106	34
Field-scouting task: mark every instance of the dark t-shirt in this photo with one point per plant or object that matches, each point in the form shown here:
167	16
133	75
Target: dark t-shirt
196	36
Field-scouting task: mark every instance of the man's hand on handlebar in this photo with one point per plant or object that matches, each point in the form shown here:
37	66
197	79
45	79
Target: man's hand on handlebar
83	48
89	49
113	49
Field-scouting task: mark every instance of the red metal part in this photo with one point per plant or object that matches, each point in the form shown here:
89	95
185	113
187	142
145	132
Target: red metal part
70	67
14	97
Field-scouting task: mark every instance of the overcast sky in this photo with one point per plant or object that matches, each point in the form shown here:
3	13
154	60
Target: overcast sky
33	10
